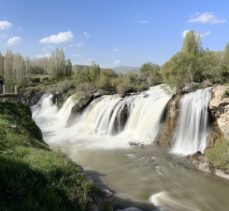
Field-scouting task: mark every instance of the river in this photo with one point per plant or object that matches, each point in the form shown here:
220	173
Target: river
141	172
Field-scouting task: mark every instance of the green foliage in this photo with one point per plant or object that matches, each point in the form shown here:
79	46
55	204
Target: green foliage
192	43
179	70
219	154
193	64
226	54
151	74
105	80
19	71
31	176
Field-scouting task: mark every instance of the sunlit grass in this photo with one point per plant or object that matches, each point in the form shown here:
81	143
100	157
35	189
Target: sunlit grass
219	154
32	177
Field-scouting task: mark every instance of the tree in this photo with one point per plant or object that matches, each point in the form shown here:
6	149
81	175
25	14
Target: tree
94	73
106	78
187	65
68	68
9	74
19	69
192	43
226	54
151	73
1	65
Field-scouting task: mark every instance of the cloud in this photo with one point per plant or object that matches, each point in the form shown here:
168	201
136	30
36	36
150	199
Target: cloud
14	41
206	17
114	50
76	55
116	62
207	33
44	55
143	21
185	32
5	25
58	38
202	35
80	44
86	34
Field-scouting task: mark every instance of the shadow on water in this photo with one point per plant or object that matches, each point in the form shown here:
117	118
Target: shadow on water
118	203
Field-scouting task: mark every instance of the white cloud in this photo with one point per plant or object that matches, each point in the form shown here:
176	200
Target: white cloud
207	33
206	17
80	44
76	55
5	25
116	62
90	60
185	32
143	21
202	35
115	50
58	38
44	55
14	41
86	34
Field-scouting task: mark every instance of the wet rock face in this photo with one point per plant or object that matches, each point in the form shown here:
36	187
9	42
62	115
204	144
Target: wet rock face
84	101
201	163
31	97
169	120
219	108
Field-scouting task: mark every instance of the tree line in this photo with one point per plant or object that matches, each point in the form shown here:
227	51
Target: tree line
19	70
192	65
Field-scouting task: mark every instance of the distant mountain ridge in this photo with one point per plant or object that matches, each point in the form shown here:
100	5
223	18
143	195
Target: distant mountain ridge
125	69
119	69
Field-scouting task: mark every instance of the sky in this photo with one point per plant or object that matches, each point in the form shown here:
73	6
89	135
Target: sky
111	32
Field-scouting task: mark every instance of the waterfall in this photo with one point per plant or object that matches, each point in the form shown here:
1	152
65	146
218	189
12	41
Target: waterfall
134	118
192	128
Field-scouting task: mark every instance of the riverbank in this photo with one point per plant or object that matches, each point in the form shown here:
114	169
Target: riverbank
215	159
32	177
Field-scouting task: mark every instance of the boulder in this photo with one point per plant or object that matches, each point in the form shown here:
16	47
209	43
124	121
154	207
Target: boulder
219	108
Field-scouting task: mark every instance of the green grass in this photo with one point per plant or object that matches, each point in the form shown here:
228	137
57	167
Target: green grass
219	154
32	177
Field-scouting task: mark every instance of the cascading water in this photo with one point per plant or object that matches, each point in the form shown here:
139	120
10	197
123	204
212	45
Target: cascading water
138	174
192	129
134	118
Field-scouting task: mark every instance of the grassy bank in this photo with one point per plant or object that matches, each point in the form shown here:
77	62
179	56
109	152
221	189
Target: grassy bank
219	154
32	177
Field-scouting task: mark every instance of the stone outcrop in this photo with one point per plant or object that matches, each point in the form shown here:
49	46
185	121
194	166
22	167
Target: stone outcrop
219	108
84	101
169	120
219	112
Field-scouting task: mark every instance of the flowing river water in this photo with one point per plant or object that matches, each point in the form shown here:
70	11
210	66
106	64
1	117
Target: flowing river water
99	140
